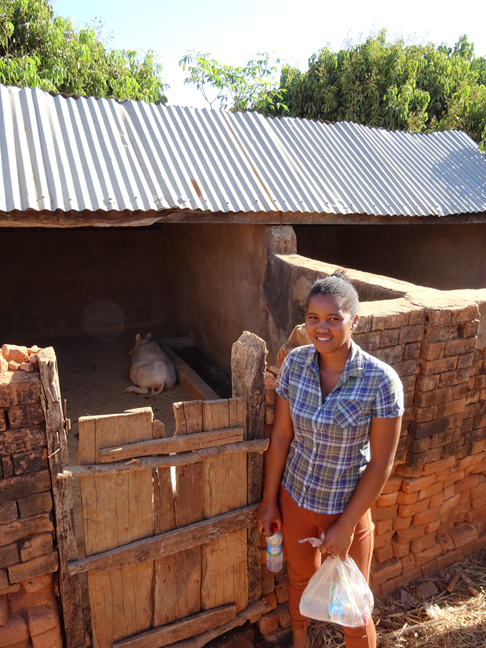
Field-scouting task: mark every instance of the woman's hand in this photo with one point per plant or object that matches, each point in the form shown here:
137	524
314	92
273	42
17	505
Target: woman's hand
338	540
268	513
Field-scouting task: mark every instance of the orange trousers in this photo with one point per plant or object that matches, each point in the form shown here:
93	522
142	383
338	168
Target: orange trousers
303	560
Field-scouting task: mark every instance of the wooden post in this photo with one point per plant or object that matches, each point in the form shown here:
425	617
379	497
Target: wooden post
71	597
248	364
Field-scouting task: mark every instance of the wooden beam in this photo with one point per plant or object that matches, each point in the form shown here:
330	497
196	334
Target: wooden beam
172	444
173	632
182	459
71	594
166	544
255	609
190	381
181	342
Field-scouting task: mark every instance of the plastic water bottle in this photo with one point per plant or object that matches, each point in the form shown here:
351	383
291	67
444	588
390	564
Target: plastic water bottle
274	550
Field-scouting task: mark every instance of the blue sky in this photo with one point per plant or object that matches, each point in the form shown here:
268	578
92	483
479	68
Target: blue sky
234	32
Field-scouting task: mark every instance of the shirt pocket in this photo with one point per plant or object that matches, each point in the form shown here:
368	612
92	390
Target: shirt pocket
350	413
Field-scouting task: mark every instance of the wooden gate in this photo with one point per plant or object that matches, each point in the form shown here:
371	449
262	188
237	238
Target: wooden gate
169	524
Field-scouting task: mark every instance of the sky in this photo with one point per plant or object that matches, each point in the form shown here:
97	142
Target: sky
233	32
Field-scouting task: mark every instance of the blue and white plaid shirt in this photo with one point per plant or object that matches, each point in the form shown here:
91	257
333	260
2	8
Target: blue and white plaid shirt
331	444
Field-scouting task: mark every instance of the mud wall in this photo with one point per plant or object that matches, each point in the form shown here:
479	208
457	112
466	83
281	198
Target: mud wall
65	274
440	256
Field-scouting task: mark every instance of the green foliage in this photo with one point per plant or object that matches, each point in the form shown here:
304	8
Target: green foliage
252	87
40	49
418	88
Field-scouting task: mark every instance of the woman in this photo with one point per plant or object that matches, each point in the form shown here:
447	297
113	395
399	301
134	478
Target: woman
337	425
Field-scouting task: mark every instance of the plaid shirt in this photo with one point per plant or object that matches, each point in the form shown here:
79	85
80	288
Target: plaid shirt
331	444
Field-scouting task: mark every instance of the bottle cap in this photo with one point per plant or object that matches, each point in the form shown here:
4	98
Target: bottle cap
274	527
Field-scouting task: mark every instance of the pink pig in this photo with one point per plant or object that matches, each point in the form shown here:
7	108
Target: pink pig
150	368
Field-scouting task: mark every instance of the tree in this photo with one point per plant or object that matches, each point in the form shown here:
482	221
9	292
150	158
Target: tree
418	88
40	49
252	87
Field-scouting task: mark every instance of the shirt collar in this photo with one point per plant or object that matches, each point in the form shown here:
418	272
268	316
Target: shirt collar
354	364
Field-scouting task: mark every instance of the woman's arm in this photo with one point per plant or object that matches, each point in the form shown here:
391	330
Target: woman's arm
384	437
282	434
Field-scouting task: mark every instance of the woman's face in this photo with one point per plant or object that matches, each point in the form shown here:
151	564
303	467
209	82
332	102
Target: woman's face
328	325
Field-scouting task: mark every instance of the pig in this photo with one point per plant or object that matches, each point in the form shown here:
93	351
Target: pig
150	368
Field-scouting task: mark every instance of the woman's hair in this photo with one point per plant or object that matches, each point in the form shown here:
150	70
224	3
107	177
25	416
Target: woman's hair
339	286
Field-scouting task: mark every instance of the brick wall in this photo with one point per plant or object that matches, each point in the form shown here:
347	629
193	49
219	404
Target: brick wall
29	603
433	508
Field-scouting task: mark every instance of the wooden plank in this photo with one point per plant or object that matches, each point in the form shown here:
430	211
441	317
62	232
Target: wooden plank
172	444
182	629
184	458
71	593
178	576
237	414
117	510
190	381
181	342
224	561
254	610
168	543
164	509
248	364
255	487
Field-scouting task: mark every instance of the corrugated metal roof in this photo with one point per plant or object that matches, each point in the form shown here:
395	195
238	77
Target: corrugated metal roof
59	153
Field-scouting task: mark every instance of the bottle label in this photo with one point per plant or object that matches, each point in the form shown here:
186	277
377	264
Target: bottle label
275	552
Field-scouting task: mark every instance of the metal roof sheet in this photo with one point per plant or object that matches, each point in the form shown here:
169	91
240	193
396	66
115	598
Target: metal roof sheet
76	154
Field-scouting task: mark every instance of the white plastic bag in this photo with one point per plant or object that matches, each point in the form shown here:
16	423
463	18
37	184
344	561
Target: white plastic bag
338	593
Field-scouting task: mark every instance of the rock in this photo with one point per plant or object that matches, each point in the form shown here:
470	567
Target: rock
16	353
26	366
426	590
12	365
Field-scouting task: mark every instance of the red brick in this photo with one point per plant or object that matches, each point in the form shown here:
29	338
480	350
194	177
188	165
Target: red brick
3	422
467	483
7	467
412	509
399	523
421	414
389	499
412	533
29	462
459	347
23	528
3	610
400	549
451	407
432	350
14	441
426	383
384	513
8	512
432	526
37	566
479	491
383	553
411	485
50	639
435	397
389	337
390	355
407	367
438	466
419	544
35	546
9	555
383	540
37	583
24	485
437	500
412	351
268	581
380	573
282	593
14	631
446	542
445	526
453	477
35	504
456	377
284	616
473	460
42	619
428	553
24	416
407	498
271	599
463	534
382	526
392	485
465	361
426	517
430	491
388	587
464	497
449	504
268	623
428	367
3	579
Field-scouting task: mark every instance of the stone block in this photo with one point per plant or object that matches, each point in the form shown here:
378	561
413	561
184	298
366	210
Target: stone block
9	555
36	567
35	546
24	485
14	631
14	441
